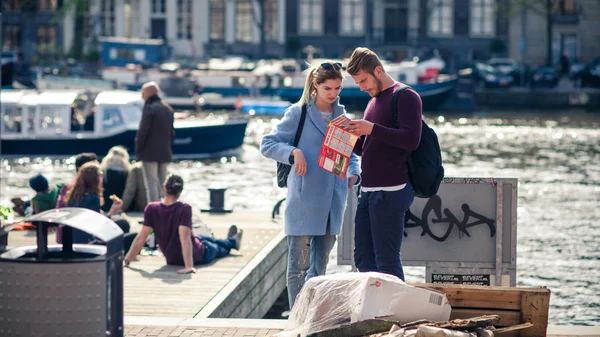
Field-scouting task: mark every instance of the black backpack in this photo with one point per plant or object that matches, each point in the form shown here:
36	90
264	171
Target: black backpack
425	163
283	170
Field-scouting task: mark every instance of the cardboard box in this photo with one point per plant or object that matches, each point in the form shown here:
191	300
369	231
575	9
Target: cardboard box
398	301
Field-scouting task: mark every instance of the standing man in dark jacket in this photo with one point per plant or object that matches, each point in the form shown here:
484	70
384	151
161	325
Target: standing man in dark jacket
386	193
153	140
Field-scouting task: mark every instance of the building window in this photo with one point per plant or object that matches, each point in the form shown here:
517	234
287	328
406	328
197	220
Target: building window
271	20
353	17
47	5
46	36
483	17
311	17
11	5
159	6
565	7
243	20
441	17
217	20
564	44
11	37
184	19
107	18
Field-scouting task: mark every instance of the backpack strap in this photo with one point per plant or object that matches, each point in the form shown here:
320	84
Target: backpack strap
300	125
395	102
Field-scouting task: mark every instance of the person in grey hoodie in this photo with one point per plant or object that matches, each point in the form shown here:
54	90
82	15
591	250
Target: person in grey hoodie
153	140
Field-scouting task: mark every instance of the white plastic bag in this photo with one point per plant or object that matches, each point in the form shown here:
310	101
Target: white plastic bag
329	301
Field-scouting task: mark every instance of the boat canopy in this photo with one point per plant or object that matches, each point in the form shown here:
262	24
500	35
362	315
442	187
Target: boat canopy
12	96
118	97
53	97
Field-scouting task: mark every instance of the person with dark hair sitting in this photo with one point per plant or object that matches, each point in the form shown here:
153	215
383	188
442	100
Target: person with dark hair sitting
43	200
45	197
171	221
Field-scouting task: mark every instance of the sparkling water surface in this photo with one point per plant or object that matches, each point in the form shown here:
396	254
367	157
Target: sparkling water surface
555	156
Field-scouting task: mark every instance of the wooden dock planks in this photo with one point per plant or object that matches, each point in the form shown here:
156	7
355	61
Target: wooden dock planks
153	289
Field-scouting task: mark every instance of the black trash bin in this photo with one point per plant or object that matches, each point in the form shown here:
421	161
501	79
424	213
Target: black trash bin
64	290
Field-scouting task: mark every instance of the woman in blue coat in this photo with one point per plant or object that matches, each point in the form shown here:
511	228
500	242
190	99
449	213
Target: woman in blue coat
316	199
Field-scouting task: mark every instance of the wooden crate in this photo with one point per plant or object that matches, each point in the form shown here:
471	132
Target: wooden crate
513	305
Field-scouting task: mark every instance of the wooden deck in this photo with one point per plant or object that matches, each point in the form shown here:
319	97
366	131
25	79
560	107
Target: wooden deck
244	284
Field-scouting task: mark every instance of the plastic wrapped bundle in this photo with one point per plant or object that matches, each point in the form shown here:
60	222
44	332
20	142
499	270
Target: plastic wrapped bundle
329	301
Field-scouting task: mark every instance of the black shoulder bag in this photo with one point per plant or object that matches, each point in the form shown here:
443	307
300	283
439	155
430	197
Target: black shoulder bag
283	170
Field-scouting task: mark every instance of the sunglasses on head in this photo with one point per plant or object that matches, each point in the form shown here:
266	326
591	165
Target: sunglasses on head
329	66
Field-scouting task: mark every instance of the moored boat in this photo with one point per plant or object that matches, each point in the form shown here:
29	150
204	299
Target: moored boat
68	122
287	85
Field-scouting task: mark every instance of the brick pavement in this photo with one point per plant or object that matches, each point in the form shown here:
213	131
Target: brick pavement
187	331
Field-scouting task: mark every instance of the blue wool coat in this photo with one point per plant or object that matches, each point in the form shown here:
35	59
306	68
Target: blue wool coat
317	194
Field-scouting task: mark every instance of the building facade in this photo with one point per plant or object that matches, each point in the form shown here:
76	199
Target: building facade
461	30
29	26
205	28
575	30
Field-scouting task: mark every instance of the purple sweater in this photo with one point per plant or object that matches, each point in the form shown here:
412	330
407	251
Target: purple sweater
384	151
165	221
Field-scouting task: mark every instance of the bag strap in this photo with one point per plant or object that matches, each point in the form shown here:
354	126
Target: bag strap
300	125
395	102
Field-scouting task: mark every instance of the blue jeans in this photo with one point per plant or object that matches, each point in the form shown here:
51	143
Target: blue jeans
379	227
307	257
215	248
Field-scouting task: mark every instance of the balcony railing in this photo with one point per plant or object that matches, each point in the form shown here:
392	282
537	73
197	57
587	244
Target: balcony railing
390	36
566	19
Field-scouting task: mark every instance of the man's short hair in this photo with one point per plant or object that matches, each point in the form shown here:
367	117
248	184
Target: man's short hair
83	158
151	84
363	59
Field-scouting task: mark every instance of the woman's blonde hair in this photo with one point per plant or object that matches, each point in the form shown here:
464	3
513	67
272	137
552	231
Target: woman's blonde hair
117	159
320	74
87	182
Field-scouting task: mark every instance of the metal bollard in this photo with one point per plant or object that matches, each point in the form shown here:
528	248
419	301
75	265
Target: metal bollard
217	201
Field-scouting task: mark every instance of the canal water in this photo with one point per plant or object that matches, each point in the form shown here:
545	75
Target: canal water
555	156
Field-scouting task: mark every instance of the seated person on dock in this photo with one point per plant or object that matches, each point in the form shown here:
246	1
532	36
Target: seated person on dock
135	198
86	192
171	221
45	197
116	168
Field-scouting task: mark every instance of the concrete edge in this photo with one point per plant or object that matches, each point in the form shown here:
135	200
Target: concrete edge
573	330
222	295
279	324
274	324
153	321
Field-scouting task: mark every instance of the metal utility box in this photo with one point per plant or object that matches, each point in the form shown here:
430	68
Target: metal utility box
466	234
64	290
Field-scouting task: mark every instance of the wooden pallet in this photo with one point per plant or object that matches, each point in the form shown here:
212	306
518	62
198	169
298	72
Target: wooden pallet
513	305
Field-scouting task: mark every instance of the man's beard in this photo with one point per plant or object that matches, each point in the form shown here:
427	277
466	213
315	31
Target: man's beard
379	87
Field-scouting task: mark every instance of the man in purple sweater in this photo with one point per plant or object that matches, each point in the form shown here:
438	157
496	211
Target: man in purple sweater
386	193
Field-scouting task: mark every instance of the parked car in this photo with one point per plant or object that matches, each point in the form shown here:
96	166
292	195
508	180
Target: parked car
486	76
545	77
589	76
512	68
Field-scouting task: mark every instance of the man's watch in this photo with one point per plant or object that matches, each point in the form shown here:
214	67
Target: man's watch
291	159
